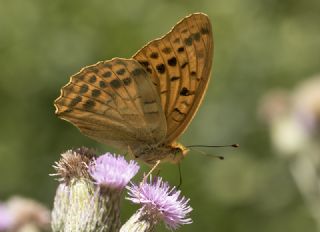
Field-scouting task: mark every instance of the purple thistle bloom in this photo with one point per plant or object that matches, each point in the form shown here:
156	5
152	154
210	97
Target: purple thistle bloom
161	202
113	171
6	218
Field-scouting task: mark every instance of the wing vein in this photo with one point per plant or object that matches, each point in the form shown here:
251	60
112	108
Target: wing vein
139	113
167	78
195	50
111	118
95	98
182	77
180	73
116	92
136	107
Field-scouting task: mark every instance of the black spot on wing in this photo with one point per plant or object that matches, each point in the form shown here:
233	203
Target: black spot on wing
107	74
185	92
89	104
127	81
161	68
181	49
196	36
175	78
154	55
92	69
188	41
93	79
137	71
166	50
204	30
102	84
144	63
121	71
115	83
172	61
75	101
95	93
84	88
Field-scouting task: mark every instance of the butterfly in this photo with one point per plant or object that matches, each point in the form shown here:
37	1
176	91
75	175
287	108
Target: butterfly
144	103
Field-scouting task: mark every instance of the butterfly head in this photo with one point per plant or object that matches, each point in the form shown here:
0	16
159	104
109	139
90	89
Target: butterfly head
177	153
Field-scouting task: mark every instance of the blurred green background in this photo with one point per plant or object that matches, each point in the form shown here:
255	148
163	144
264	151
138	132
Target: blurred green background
259	45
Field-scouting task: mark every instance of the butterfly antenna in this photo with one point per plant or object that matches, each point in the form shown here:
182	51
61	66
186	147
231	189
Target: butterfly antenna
229	145
206	154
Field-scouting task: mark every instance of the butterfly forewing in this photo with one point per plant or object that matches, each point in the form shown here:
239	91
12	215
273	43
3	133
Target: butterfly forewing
179	64
114	102
145	102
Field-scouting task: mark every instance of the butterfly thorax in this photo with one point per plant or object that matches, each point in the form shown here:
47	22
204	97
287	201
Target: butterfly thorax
172	153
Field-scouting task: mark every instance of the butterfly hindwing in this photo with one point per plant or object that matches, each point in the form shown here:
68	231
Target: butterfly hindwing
114	102
179	65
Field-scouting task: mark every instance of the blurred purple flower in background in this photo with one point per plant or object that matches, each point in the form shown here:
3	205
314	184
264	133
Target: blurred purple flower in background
293	117
6	218
19	213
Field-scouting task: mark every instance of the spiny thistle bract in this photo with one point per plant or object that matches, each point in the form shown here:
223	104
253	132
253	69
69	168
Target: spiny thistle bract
88	197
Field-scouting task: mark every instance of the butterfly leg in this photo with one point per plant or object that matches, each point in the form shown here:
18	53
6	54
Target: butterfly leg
130	152
151	170
158	172
180	176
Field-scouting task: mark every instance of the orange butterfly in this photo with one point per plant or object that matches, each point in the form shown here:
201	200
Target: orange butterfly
146	102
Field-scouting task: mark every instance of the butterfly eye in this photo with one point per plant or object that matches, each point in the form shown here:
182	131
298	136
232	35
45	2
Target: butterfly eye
177	151
176	155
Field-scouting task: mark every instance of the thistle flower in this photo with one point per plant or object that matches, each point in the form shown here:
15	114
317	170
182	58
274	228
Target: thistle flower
159	203
73	164
75	192
113	172
88	198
